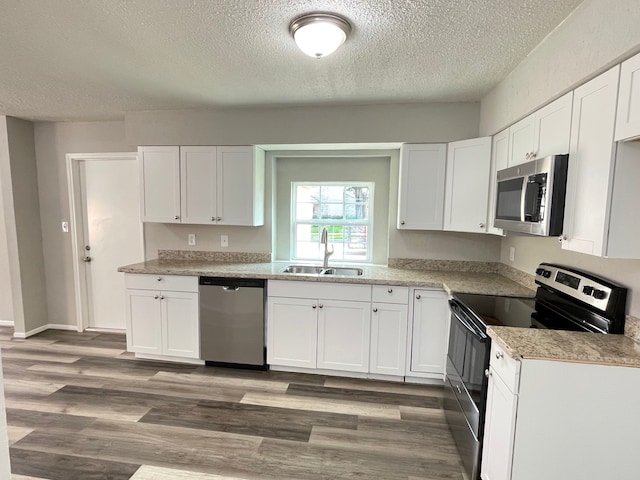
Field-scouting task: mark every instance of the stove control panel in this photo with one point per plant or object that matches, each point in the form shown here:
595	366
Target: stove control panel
572	283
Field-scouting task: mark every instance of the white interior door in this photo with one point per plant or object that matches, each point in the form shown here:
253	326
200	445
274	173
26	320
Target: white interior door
112	233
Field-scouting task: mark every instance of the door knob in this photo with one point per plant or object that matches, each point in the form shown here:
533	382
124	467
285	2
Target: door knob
87	259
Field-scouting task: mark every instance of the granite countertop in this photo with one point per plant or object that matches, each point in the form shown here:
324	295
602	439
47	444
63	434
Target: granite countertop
461	282
566	346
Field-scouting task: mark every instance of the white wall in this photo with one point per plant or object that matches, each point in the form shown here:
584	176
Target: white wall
595	36
52	142
6	307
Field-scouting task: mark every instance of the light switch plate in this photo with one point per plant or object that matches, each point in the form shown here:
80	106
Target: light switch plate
512	254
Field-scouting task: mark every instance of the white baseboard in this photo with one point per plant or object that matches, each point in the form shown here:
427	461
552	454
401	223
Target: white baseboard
48	326
105	330
6	323
167	358
337	373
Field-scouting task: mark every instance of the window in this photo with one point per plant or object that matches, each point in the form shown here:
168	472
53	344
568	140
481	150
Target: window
343	208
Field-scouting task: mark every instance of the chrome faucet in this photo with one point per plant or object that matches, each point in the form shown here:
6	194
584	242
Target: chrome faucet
327	253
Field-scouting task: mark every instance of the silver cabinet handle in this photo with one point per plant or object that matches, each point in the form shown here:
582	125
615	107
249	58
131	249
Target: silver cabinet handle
161	297
375	310
313	306
459	389
213	219
390	290
418	296
159	279
320	306
481	225
155	297
487	373
218	219
87	259
499	355
176	217
402	222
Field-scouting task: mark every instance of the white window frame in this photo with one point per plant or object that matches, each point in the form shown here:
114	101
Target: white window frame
332	222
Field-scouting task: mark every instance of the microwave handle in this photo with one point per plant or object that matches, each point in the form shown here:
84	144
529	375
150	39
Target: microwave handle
523	196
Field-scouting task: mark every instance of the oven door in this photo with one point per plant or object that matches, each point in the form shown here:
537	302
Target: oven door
466	386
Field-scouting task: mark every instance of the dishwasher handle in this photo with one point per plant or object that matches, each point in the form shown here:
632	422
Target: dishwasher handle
232	284
227	288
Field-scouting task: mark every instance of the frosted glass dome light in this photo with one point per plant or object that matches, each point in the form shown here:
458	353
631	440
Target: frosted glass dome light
319	34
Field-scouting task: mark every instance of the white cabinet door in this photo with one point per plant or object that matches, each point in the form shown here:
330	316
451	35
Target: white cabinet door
430	331
467	186
521	141
591	165
198	185
499	160
292	332
240	186
144	321
422	180
552	127
499	430
344	329
160	184
628	114
180	325
388	339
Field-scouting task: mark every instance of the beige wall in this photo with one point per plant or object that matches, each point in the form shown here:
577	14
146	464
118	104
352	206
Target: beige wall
52	142
595	36
439	122
359	166
6	304
22	225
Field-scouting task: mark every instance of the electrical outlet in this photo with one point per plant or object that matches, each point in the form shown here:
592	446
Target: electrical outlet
191	239
512	254
224	240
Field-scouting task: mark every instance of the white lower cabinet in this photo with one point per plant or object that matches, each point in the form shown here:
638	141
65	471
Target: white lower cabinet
388	339
340	329
547	419
292	332
430	333
163	321
343	335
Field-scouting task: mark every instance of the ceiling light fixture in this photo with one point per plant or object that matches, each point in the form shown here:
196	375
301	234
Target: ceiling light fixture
319	34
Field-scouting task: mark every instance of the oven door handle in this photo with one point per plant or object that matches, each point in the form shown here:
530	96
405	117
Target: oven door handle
455	309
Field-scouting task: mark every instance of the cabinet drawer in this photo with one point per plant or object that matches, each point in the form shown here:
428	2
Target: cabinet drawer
161	282
507	368
328	291
390	294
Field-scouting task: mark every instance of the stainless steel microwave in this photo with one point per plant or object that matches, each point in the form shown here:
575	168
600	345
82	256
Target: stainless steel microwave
530	197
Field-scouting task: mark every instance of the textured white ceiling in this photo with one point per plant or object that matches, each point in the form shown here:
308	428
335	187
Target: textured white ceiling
96	59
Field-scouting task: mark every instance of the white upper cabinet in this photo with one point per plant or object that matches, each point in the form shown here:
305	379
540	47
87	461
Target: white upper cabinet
160	184
198	179
521	141
203	185
628	115
543	133
467	185
591	166
499	160
422	180
240	186
552	128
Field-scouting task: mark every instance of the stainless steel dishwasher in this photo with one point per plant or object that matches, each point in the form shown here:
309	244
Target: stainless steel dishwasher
232	328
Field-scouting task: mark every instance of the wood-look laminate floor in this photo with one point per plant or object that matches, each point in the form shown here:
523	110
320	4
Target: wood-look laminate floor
80	407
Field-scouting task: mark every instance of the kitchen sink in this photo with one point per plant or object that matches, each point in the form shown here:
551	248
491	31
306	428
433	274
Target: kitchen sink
317	270
343	271
303	269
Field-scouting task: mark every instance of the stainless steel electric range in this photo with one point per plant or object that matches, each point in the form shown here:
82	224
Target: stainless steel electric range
566	299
